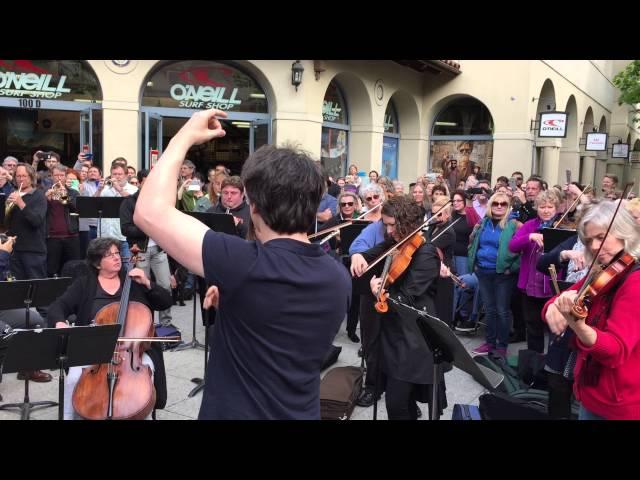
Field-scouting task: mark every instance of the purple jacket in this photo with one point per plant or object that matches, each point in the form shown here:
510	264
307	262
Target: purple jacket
530	281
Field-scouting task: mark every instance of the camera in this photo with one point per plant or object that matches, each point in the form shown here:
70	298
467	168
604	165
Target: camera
43	156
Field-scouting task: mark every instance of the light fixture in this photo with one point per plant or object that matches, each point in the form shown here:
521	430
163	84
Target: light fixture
318	68
296	73
257	95
447	124
149	84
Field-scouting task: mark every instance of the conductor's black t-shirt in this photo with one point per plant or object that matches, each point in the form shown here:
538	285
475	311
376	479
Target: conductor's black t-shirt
281	305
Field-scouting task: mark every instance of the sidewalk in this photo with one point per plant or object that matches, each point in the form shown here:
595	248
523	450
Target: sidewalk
184	365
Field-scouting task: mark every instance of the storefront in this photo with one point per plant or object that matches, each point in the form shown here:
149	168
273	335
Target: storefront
173	91
335	132
390	142
50	105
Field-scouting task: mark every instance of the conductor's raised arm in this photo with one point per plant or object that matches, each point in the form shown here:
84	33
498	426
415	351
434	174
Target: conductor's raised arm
178	234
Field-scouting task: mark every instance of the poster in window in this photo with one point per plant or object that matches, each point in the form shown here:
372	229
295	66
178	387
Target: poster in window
596	142
333	151
456	159
390	157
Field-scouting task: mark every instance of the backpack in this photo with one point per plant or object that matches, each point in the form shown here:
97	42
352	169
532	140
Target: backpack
525	404
339	390
169	331
499	364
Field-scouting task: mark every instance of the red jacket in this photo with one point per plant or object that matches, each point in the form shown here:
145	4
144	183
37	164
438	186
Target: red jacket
616	353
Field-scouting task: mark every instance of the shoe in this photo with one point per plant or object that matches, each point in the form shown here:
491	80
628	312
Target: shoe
35	376
517	337
365	399
417	410
500	351
466	326
353	337
483	349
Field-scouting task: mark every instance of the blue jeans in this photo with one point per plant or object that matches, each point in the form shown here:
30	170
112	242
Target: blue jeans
468	297
125	253
495	291
587	415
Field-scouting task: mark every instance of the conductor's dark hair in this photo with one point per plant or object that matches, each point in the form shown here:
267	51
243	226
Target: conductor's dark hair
285	187
96	250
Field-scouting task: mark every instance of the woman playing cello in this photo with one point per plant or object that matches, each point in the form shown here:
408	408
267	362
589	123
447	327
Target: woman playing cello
102	286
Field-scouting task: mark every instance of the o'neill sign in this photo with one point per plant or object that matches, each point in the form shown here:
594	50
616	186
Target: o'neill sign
32	85
553	125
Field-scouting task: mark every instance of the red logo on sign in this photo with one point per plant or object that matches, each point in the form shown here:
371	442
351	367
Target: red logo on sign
552	122
200	76
25	66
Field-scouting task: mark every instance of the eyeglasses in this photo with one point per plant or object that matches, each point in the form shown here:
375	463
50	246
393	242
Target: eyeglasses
375	197
500	204
111	254
457	200
465	150
518	178
346	204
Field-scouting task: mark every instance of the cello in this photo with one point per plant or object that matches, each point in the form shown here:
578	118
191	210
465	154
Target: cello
123	388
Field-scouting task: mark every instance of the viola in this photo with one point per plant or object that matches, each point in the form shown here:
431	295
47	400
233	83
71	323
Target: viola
123	388
400	262
601	282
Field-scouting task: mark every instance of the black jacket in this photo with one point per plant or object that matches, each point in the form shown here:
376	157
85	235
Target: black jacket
241	211
70	220
29	224
553	256
127	227
406	355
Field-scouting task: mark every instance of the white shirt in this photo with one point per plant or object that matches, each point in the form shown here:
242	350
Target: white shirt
111	226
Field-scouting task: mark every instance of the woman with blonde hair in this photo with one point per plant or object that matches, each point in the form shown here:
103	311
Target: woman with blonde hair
535	286
496	268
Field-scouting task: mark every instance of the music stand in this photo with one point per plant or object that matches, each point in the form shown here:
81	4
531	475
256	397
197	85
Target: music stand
30	293
446	347
218	222
200	382
61	348
552	237
99	207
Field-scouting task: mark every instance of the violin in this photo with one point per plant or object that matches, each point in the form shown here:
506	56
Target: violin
123	388
601	280
400	262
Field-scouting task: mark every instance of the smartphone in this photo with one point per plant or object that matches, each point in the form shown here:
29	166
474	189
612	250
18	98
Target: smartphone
87	154
568	172
194	187
431	177
75	184
512	184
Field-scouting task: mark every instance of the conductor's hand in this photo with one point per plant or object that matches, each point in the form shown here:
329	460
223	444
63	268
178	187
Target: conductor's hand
8	245
358	265
138	276
211	298
202	127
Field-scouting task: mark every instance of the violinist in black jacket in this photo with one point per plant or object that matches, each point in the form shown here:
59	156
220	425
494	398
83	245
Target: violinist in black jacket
406	358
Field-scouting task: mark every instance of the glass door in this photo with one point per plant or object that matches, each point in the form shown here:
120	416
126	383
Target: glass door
260	134
153	136
86	129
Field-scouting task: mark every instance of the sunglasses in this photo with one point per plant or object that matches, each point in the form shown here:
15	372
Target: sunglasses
500	204
346	204
375	197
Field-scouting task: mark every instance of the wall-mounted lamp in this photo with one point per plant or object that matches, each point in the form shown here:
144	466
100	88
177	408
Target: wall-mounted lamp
318	68
296	73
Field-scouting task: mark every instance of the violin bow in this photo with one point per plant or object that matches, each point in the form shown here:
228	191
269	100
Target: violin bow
401	242
595	257
554	278
575	202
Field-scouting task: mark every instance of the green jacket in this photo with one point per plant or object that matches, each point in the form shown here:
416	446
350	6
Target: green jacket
506	260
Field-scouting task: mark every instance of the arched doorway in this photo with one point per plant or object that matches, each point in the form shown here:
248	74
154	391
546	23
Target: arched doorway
462	131
50	105
173	91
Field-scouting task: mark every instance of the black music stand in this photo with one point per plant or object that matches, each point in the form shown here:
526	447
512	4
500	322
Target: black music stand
200	382
446	347
30	293
61	348
218	222
99	207
552	237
